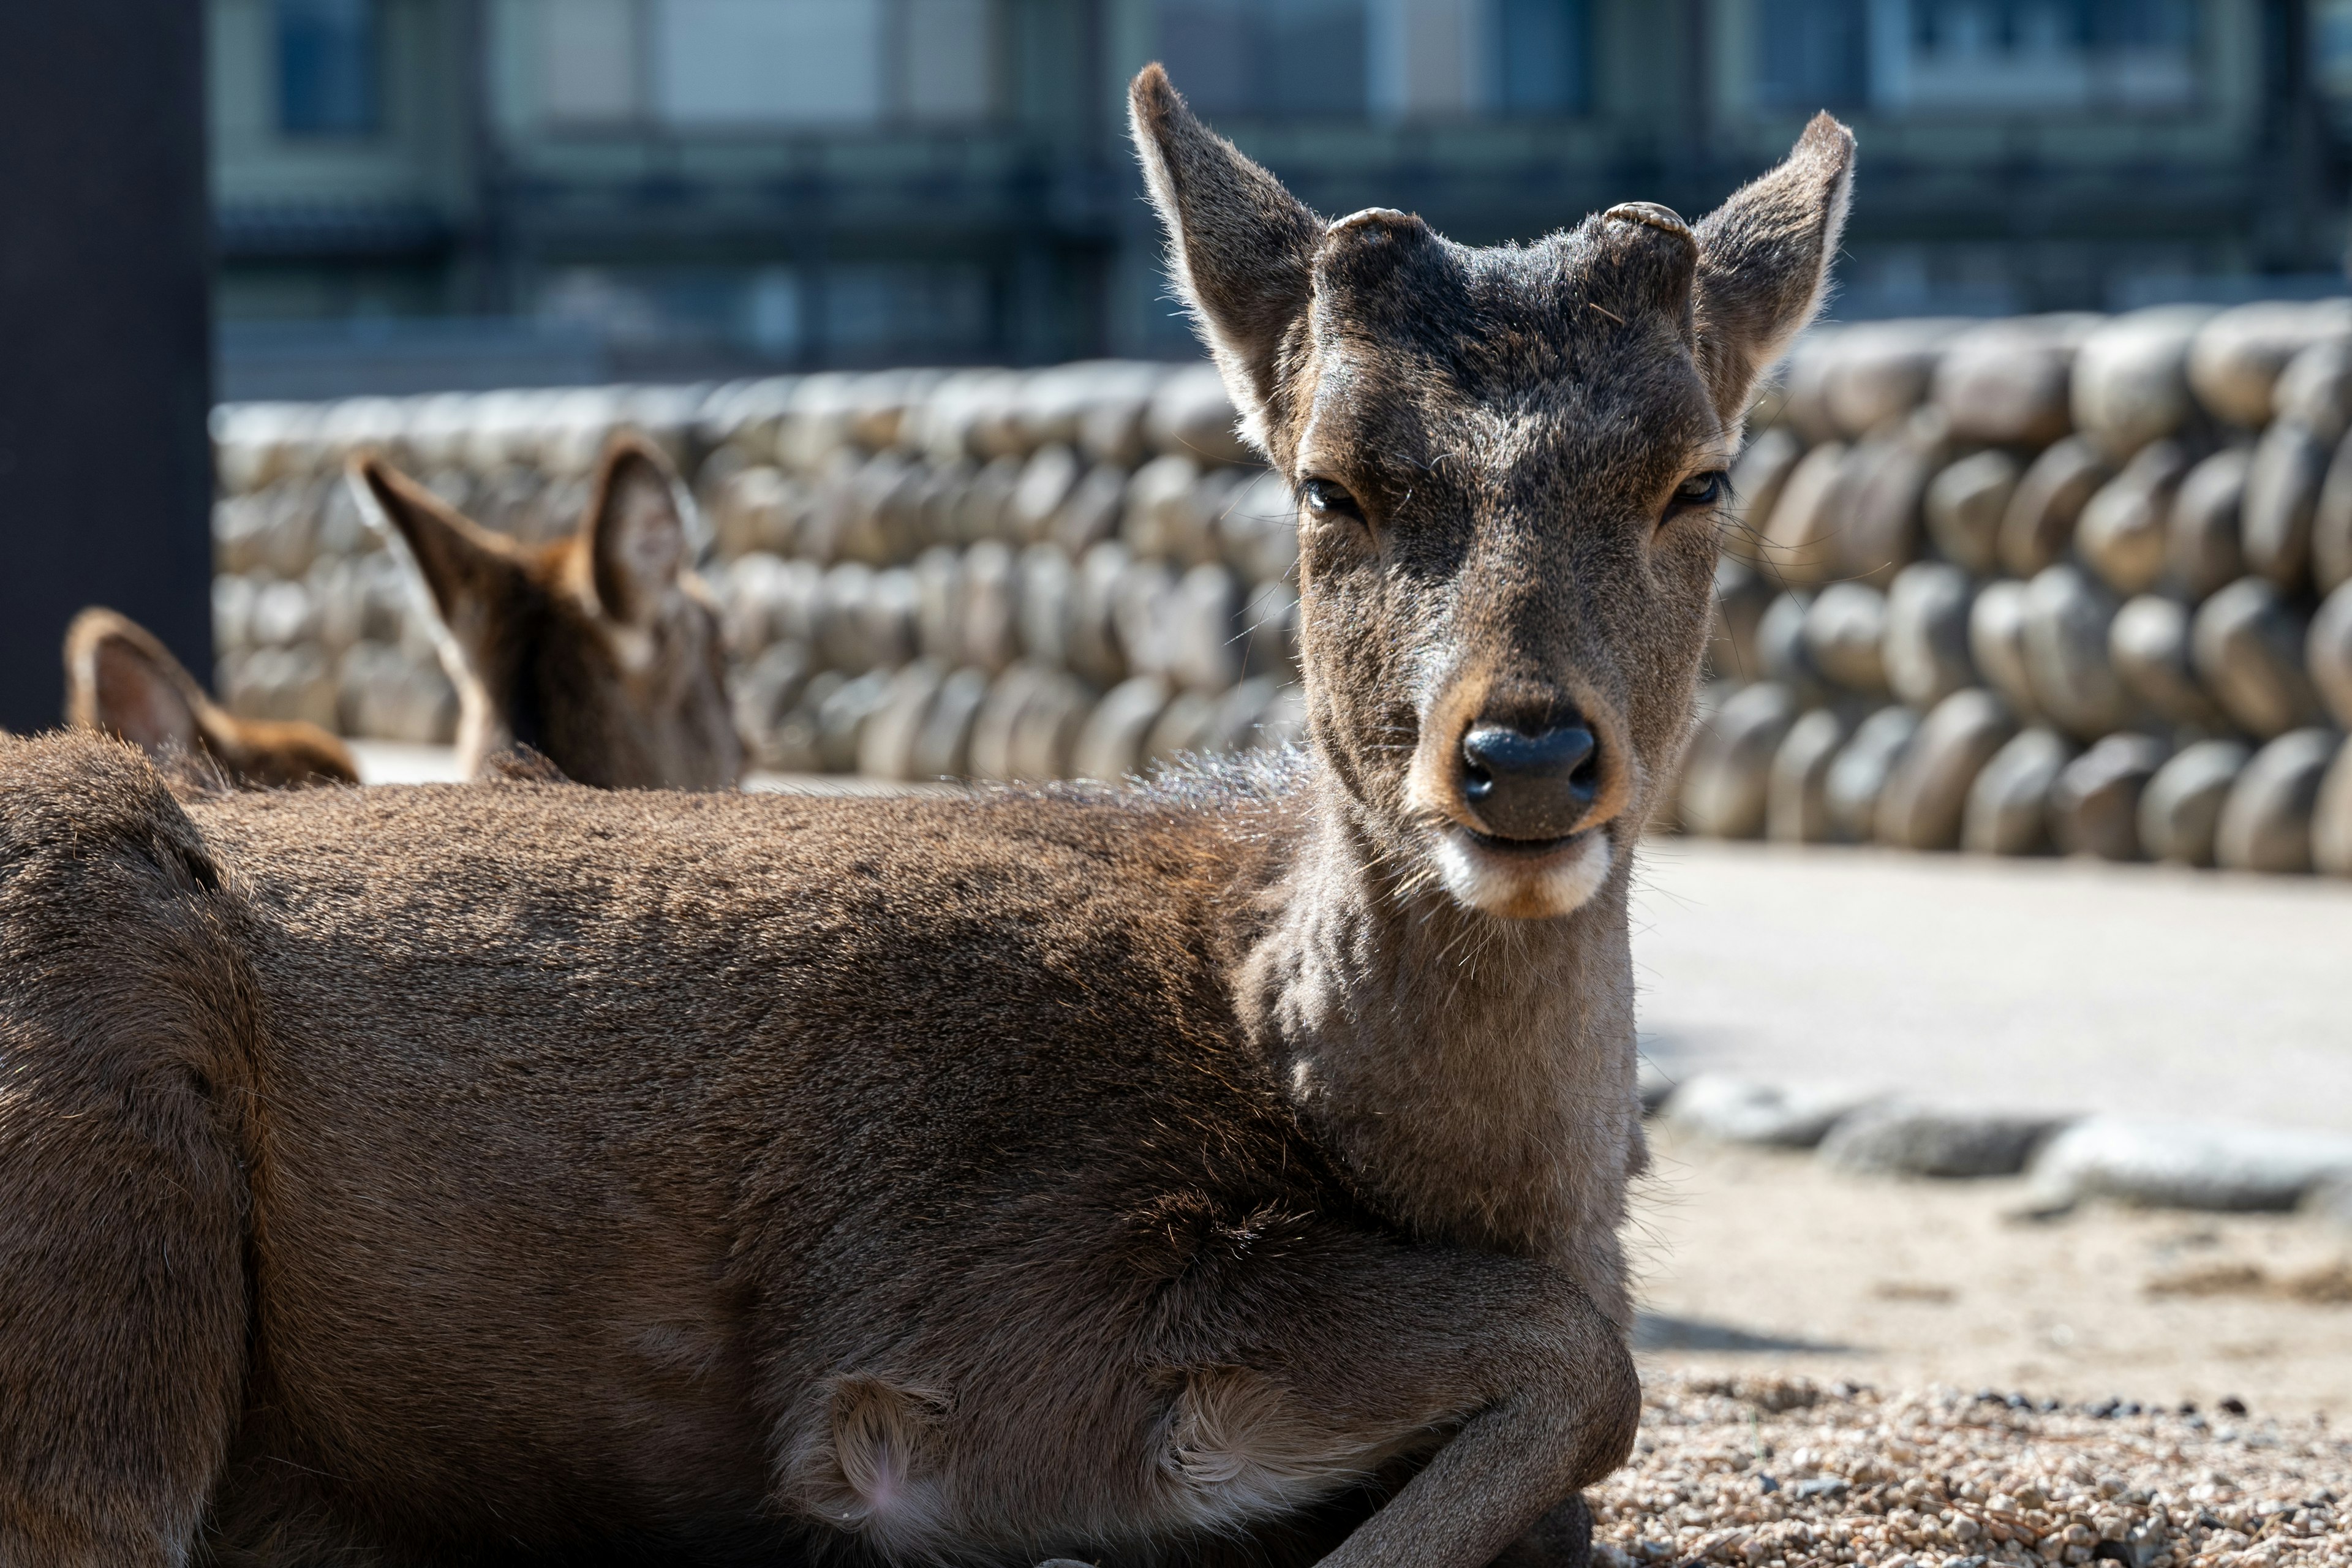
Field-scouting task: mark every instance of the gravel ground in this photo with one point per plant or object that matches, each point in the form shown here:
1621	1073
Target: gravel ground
1789	1471
1752	1259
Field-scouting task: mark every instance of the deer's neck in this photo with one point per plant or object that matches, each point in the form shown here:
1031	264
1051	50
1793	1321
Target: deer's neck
1474	1075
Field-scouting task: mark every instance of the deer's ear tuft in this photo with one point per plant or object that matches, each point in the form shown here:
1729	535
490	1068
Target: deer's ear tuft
1764	261
1240	249
636	530
465	567
122	680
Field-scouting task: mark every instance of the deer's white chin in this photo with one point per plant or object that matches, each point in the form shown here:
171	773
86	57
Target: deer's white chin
1524	884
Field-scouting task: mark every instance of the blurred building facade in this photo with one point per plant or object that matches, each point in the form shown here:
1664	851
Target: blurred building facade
412	194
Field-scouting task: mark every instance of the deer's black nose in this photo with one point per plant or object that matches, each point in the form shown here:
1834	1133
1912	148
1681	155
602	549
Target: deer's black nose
1531	787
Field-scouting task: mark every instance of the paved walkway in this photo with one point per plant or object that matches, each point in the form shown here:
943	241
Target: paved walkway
2066	983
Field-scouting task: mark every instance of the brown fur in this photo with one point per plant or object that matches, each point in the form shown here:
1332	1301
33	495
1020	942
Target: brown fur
600	650
533	1175
121	681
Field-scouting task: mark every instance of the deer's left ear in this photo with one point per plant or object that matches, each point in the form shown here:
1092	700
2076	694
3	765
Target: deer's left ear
636	530
1764	262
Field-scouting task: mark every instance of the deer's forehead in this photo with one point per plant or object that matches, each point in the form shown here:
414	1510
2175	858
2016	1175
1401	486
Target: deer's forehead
1644	412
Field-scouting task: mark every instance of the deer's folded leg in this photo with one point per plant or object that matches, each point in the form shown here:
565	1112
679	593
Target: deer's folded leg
1516	1388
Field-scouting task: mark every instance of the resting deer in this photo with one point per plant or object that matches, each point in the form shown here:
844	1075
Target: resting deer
1229	1171
600	650
122	680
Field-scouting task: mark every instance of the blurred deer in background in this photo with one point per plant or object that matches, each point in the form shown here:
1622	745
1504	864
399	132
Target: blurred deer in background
120	680
1228	1172
601	650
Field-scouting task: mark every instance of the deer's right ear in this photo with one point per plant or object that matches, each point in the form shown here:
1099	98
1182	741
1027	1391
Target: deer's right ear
465	567
121	681
1241	247
1764	262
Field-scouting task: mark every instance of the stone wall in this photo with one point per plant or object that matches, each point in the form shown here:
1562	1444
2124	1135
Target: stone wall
2061	582
2067	583
1068	573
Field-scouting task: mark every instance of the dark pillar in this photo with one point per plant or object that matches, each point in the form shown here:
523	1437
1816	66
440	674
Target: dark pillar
105	334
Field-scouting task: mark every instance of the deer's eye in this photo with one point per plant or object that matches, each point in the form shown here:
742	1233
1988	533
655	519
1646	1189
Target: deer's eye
1698	492
1325	498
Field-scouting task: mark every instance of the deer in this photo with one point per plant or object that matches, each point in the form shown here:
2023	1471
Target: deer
1222	1170
598	651
122	682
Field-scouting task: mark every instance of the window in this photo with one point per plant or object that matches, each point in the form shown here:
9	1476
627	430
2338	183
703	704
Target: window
329	67
768	62
1541	50
2049	55
1812	54
1271	59
592	51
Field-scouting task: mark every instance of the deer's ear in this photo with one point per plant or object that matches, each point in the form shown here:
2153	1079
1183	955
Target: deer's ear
465	567
1241	248
1764	261
636	530
119	680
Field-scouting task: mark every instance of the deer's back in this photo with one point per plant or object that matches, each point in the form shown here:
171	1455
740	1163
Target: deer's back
592	1133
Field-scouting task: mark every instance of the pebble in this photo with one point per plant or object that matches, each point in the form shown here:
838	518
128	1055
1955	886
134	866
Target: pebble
1801	538
2148	646
1882	529
2236	358
1757	477
1926	792
1926	643
1735	1110
1904	1138
1796	806
1964	505
2130	382
2247	642
2201	551
2266	823
2283	484
2213	1165
2181	809
2038	523
2327	651
2331	523
2094	805
2068	614
1857	776
2122	531
1996	643
2331	817
1727	776
2007	809
1845	633
2006	382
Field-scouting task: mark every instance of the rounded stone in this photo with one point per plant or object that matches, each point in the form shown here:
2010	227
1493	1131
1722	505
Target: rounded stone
1926	643
1964	505
1997	644
1926	794
1757	477
1857	776
2328	654
1797	800
2181	809
2038	523
2201	549
2148	644
2236	358
2095	806
1845	633
1110	744
2283	483
1889	474
2266	822
2006	382
1907	1139
2008	810
2130	377
2331	817
1724	780
2248	645
2122	531
2067	616
2331	523
1801	538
